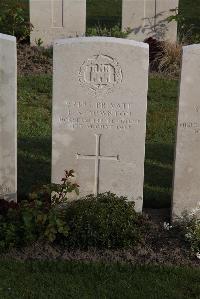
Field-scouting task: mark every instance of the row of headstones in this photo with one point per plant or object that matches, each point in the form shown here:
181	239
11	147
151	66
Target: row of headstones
54	19
99	118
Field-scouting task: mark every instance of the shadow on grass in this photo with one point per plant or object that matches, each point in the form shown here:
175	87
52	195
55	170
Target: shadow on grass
34	164
158	175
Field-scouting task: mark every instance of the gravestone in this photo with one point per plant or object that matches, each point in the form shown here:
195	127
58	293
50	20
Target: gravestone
53	19
8	117
99	114
186	194
148	18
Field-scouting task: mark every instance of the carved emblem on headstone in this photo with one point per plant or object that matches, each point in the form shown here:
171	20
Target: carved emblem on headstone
100	74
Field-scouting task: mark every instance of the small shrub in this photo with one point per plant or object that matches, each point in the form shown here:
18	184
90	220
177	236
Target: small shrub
39	218
105	221
14	19
188	26
191	228
109	32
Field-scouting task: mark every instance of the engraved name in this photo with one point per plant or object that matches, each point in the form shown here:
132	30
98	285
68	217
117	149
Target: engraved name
99	115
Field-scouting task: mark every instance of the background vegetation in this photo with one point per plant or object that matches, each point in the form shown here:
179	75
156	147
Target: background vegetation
107	13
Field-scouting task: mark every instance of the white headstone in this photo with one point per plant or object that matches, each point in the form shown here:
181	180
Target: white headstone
8	117
186	194
99	114
148	18
53	19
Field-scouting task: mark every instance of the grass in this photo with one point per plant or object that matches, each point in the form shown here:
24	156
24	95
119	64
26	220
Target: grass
94	280
105	13
34	132
34	137
160	140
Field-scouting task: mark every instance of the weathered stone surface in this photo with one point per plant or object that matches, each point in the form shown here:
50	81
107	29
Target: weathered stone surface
186	194
99	114
8	117
53	19
148	18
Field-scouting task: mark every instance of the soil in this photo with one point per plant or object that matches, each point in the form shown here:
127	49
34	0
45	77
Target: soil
160	247
34	60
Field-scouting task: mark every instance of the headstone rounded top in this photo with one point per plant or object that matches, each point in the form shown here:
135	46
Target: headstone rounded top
190	48
101	39
7	37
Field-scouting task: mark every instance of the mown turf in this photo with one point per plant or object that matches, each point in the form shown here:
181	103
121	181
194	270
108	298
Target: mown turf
34	132
105	13
58	280
160	141
34	137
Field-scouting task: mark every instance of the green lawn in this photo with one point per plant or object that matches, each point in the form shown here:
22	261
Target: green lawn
34	137
104	12
56	280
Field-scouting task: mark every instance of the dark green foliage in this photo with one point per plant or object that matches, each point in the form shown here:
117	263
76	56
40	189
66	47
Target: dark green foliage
30	221
190	227
39	218
189	21
114	31
14	19
105	221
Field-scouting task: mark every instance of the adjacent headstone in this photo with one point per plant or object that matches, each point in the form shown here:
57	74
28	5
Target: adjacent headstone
99	114
53	19
148	18
8	117
186	194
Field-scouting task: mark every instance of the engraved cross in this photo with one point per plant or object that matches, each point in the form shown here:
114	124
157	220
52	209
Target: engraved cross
97	157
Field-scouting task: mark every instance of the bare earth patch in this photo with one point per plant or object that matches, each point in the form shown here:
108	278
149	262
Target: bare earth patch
160	247
34	60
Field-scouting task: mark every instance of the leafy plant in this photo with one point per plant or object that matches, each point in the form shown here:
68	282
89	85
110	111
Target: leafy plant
37	218
114	31
188	31
105	221
191	228
14	19
38	42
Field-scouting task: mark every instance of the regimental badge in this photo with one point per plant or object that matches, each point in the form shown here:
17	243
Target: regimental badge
100	74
